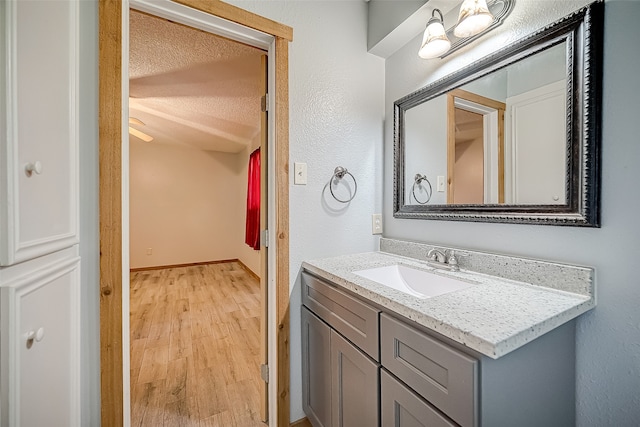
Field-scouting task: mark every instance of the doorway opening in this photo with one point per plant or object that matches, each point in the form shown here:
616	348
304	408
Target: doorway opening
475	149
197	307
239	25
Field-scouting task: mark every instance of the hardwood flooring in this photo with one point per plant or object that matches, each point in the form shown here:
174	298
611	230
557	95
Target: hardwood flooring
195	335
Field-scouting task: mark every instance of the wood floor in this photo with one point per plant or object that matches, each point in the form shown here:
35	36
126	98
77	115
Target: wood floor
194	347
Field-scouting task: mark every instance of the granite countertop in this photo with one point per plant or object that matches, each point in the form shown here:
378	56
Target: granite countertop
494	317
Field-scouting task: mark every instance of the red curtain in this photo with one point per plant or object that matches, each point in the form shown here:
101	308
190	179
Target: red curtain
252	229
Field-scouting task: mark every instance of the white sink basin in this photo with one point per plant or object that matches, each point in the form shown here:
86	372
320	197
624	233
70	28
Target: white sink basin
419	283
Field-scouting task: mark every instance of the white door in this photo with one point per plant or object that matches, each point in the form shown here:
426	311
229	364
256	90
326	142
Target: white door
536	155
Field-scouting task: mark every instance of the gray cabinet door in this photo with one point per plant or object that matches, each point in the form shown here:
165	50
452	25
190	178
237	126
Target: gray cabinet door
355	385
401	407
445	377
316	369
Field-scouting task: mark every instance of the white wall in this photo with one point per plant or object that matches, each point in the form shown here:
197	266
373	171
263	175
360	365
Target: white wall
493	86
608	338
336	116
187	205
426	140
536	71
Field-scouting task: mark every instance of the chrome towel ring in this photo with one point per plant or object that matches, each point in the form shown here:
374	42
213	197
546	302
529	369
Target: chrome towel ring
419	178
338	174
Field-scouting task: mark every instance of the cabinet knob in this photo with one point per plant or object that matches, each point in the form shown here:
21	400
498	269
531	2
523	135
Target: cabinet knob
35	167
36	336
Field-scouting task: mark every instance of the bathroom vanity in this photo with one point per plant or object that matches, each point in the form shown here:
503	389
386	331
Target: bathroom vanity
484	340
500	352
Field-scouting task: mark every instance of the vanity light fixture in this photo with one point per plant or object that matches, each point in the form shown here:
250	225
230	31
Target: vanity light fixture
435	41
473	18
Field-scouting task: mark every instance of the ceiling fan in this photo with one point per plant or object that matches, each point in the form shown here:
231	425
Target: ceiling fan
135	132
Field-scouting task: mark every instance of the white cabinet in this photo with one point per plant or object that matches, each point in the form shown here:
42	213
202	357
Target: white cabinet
38	128
39	205
40	345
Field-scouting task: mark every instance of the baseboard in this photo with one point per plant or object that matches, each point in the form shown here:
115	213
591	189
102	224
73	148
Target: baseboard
190	264
248	270
304	422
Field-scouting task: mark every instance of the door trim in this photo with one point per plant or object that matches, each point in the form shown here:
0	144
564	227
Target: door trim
111	28
493	116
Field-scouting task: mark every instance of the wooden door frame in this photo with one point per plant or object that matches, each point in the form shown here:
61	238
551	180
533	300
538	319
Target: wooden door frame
500	108
110	188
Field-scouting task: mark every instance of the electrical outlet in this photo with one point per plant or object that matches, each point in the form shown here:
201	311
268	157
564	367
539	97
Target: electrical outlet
300	173
149	251
376	224
441	184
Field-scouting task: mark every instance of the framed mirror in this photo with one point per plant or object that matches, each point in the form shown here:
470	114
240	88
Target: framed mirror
514	137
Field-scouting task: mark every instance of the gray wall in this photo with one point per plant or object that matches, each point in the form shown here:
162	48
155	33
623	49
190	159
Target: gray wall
608	338
533	72
89	234
388	15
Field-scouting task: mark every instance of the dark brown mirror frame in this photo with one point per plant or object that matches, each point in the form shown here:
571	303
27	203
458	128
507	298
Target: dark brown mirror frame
583	32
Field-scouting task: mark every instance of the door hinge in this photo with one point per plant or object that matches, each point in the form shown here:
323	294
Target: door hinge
264	103
265	238
264	373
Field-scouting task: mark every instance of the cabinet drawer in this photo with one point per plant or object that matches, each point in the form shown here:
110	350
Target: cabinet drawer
444	376
357	321
401	407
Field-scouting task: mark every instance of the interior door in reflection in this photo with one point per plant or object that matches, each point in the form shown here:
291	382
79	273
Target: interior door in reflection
468	167
475	149
536	150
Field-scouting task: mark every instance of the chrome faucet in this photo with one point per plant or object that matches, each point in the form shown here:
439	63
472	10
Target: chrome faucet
437	255
446	260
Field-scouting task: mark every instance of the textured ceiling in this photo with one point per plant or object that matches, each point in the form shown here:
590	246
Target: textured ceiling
192	88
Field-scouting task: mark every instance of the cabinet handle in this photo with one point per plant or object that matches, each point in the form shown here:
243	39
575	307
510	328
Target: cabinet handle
35	167
36	336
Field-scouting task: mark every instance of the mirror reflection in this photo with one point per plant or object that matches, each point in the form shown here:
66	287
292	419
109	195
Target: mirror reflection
500	139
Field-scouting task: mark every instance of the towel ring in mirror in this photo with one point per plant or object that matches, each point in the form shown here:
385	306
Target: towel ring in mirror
418	181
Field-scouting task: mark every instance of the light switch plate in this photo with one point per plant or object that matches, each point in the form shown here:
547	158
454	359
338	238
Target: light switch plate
300	173
441	183
376	224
